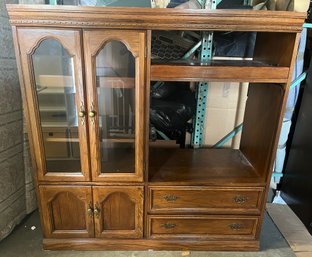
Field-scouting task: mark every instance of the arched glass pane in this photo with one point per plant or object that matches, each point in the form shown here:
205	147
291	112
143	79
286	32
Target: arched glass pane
115	78
55	85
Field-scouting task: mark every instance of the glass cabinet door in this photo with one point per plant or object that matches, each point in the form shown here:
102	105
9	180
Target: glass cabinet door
115	73
57	102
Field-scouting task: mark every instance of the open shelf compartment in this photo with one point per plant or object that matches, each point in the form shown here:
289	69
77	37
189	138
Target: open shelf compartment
246	164
201	166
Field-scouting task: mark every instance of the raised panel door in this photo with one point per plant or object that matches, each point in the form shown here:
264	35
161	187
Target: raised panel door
66	211
118	211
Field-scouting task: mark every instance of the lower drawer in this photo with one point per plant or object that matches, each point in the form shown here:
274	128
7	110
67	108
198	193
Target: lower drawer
202	227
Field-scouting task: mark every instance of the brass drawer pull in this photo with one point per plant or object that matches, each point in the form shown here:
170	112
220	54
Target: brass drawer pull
97	210
90	210
240	199
168	225
170	198
236	226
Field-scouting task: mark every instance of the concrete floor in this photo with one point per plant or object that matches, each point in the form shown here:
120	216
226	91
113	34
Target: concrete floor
25	242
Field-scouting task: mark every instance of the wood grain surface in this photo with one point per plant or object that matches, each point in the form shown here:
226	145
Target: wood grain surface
148	18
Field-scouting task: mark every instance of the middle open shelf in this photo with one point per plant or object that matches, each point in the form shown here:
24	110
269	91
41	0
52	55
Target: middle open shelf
219	70
228	167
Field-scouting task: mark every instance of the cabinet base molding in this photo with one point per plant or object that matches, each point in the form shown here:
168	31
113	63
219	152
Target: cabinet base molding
145	244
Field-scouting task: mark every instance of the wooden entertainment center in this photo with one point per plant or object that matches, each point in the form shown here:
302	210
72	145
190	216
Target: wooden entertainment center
100	184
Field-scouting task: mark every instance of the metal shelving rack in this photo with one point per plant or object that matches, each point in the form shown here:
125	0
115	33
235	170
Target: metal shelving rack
202	89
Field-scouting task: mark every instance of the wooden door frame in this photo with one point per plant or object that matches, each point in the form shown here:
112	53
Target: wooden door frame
29	40
94	41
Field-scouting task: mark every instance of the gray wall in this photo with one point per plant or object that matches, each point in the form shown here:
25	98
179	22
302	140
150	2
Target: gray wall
17	195
12	182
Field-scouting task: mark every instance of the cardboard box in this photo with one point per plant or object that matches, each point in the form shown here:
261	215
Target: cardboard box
224	111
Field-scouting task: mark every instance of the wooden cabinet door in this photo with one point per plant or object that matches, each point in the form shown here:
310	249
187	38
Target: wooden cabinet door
52	83
118	211
66	211
115	73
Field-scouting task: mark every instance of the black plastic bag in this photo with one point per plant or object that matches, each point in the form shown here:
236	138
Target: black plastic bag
173	104
161	90
170	117
234	44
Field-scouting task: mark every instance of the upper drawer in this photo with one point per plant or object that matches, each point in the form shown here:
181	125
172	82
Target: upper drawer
204	200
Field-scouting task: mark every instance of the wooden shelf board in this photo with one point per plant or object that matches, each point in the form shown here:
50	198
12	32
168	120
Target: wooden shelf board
216	61
201	166
257	74
52	108
56	81
109	140
55	124
62	140
118	140
116	82
50	90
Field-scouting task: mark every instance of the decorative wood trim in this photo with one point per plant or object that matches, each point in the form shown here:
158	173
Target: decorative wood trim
148	18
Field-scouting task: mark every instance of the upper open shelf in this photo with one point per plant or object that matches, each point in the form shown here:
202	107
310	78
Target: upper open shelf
219	70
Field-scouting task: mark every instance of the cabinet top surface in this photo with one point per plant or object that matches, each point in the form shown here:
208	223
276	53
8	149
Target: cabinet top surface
154	19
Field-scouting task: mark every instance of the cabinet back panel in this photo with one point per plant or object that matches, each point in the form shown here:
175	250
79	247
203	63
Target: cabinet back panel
275	48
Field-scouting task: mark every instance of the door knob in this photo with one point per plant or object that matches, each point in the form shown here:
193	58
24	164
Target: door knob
92	114
97	210
81	114
90	210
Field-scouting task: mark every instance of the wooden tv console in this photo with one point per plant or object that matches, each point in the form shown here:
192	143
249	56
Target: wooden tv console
85	76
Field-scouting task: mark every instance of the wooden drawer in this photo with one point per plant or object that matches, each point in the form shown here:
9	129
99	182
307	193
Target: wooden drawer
202	227
225	200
